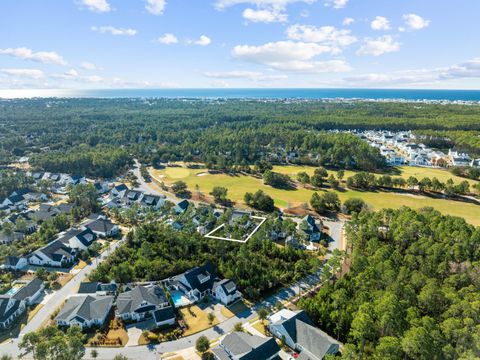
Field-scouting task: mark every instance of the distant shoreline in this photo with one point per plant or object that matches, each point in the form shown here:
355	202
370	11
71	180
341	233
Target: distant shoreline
463	97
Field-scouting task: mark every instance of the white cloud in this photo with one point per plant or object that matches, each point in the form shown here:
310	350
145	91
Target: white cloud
380	23
250	75
348	21
327	35
417	77
223	4
96	5
336	4
71	74
114	31
291	56
415	22
156	7
25	73
265	15
267	11
46	57
88	66
379	46
203	41
167	39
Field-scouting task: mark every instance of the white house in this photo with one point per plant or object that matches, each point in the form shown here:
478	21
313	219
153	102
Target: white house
14	263
80	239
85	311
55	254
226	291
141	302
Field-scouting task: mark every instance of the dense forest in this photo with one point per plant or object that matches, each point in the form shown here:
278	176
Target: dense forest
220	133
155	252
412	292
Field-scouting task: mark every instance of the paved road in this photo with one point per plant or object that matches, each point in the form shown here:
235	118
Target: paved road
54	302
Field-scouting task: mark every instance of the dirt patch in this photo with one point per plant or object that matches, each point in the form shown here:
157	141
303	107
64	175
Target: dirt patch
297	210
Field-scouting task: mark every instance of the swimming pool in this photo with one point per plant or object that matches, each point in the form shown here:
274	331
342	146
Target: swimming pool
13	290
179	298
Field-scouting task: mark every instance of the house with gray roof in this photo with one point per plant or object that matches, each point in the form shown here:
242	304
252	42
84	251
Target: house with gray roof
80	239
10	310
198	281
55	253
141	302
311	229
243	346
103	227
226	291
14	263
97	288
299	333
31	293
85	311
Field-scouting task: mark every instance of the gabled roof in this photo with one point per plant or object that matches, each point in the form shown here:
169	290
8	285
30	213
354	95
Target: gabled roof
313	341
28	290
88	287
130	301
21	192
85	307
16	199
228	286
201	277
244	346
164	314
101	225
121	187
150	200
4	312
86	236
183	204
56	250
11	261
132	195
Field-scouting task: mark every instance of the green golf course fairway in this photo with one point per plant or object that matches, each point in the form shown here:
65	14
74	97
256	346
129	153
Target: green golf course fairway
238	185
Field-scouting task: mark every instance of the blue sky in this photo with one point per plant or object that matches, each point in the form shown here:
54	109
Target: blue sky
82	44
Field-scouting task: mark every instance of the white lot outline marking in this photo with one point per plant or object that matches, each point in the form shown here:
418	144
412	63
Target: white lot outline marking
210	236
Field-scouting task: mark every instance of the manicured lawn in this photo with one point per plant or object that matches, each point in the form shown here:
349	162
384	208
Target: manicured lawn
81	264
233	310
260	327
196	320
35	310
238	185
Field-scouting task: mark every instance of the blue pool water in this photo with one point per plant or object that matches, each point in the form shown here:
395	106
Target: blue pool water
179	299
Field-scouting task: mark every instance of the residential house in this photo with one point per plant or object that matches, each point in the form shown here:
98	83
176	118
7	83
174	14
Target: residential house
8	238
103	227
101	187
141	302
131	196
10	310
97	288
181	206
85	311
152	201
243	346
55	253
31	293
311	229
198	282
119	190
226	291
14	263
80	239
298	333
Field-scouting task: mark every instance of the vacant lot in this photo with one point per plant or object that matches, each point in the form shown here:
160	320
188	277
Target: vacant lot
238	185
196	320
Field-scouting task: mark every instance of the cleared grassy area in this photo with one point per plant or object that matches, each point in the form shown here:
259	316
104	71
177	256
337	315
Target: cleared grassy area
260	327
238	185
196	320
404	172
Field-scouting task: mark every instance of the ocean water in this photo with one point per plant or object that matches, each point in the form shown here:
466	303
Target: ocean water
308	94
